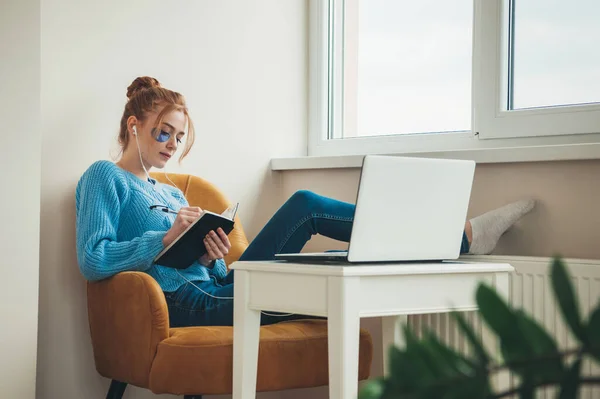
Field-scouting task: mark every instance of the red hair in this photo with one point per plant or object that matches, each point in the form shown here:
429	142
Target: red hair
144	95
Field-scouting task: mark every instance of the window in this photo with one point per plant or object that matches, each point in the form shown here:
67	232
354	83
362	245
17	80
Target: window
389	76
404	64
554	58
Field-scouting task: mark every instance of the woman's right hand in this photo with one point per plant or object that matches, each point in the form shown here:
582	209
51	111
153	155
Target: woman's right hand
186	216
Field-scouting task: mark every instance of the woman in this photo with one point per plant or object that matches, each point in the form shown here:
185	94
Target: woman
118	231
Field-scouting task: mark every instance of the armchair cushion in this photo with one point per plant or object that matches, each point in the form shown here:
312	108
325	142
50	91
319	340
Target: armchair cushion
292	354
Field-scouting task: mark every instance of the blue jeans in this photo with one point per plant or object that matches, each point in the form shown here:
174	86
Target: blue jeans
303	215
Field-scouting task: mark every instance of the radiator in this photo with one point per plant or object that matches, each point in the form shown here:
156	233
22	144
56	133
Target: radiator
531	291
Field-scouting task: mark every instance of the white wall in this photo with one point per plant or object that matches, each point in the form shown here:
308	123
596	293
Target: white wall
242	66
19	202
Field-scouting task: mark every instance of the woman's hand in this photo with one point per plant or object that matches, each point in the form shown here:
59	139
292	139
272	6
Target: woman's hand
217	246
186	216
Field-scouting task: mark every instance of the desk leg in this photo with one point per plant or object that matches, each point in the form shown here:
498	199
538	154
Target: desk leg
246	334
391	334
343	329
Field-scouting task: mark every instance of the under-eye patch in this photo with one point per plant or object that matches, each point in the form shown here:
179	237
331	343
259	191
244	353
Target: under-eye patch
162	137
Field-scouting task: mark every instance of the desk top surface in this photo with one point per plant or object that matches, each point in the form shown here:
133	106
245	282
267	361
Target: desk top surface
372	269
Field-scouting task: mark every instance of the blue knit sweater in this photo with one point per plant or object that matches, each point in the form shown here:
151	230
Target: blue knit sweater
117	231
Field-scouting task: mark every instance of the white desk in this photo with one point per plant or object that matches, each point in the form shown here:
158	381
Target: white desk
344	294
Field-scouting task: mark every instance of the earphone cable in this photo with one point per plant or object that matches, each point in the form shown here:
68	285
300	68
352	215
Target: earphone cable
228	297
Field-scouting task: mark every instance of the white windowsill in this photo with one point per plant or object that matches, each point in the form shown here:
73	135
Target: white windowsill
564	152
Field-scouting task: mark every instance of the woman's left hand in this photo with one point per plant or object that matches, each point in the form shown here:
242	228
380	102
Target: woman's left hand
217	246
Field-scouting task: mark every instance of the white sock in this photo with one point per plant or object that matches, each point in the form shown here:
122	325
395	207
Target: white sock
489	227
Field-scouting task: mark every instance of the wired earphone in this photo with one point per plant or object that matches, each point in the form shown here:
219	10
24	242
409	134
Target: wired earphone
181	275
142	162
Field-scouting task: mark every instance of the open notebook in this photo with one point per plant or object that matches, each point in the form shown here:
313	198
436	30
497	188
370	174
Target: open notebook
188	247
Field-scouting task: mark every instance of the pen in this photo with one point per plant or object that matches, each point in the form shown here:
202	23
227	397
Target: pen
163	208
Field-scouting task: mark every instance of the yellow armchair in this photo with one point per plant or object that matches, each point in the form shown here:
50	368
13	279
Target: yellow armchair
134	344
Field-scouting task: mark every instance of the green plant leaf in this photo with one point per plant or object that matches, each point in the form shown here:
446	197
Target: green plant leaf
410	370
514	358
439	363
428	369
477	386
442	372
408	376
567	301
527	390
495	311
570	383
460	365
402	375
436	369
373	389
482	356
542	345
593	333
460	387
539	339
503	321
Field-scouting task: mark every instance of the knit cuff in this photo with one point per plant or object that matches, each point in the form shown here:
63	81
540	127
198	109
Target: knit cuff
219	270
153	244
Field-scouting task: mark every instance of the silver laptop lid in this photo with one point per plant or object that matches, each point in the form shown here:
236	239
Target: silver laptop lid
410	209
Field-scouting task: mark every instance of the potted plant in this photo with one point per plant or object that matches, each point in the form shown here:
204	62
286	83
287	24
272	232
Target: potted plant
427	368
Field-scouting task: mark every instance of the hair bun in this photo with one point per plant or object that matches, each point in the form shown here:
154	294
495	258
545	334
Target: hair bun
141	83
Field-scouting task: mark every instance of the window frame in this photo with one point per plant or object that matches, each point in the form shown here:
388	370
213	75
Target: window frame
491	121
492	128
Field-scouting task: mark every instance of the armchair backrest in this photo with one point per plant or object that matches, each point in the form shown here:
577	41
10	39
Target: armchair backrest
200	192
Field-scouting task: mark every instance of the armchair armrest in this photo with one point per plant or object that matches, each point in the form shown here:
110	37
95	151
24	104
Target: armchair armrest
128	318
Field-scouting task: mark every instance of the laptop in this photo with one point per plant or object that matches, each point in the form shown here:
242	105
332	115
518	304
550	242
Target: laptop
408	209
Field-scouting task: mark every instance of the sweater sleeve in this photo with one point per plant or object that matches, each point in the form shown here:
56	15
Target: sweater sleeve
219	270
100	195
